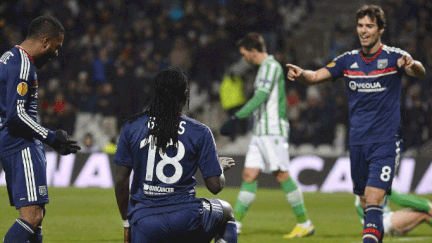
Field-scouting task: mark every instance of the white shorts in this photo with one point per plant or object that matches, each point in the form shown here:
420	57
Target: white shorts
388	229
268	154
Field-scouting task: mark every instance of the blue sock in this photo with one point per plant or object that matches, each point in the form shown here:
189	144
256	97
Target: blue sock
19	232
373	224
230	233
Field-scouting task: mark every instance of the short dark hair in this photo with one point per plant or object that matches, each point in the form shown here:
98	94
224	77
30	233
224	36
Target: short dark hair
45	25
374	13
251	41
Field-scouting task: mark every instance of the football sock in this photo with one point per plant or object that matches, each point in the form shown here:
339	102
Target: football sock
19	232
373	225
295	198
405	200
359	208
246	195
229	235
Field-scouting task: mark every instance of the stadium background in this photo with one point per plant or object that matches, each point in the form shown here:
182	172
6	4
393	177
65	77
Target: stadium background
112	50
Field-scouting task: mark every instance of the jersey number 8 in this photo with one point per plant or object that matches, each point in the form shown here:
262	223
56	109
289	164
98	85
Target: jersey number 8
386	173
166	160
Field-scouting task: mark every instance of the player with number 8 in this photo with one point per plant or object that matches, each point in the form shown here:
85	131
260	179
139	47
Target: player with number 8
373	81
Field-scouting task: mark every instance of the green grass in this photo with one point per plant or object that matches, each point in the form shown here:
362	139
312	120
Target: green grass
91	215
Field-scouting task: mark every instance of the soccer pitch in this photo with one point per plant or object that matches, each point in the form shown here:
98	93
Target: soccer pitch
91	215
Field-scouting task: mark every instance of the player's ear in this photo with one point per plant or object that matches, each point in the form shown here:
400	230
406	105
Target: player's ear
186	97
381	31
46	41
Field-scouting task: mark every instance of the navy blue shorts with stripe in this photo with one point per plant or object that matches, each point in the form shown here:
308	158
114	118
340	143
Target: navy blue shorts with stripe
374	165
26	176
198	224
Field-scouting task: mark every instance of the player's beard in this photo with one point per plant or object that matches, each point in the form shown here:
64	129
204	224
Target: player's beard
371	44
42	60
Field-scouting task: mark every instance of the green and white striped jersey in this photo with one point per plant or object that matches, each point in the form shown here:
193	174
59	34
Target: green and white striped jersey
268	104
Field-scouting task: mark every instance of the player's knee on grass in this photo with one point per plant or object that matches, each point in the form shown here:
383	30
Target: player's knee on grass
228	212
228	232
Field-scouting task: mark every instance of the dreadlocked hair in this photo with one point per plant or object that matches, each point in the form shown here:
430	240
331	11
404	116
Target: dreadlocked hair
165	109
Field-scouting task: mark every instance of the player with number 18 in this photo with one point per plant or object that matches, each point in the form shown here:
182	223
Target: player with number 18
164	148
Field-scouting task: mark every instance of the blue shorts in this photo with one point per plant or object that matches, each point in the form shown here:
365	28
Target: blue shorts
374	165
198	224
26	176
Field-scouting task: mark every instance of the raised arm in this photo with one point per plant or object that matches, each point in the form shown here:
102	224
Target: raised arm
308	77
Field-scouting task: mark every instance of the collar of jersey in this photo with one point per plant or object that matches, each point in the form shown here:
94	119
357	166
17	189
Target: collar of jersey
19	47
375	56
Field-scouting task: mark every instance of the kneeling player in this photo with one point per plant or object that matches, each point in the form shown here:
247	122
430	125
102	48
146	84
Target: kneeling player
418	210
165	148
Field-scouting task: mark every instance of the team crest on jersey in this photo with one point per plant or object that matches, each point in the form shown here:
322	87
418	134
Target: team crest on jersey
382	63
43	191
332	64
22	88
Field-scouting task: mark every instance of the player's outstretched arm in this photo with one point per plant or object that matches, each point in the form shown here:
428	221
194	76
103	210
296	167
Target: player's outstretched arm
308	77
412	67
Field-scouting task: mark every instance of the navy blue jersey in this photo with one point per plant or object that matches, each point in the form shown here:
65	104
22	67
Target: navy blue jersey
165	182
18	103
374	89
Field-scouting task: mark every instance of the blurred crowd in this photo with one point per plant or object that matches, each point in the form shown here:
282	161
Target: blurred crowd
113	49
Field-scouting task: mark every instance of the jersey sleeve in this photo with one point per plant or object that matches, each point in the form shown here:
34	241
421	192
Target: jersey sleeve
337	67
398	54
19	78
123	154
258	98
208	159
268	76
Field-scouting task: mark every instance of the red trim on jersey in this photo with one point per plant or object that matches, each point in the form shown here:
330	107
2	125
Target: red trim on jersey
354	73
376	72
19	47
372	231
370	60
385	70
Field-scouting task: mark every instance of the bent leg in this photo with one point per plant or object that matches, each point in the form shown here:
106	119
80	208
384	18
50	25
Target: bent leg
406	220
228	232
25	228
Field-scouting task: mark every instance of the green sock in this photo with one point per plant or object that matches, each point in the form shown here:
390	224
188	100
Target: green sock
295	198
246	196
411	201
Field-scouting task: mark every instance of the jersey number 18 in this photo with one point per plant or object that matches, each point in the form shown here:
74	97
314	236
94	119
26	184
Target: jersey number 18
166	160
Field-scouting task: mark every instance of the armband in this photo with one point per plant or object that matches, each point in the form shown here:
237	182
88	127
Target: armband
126	223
